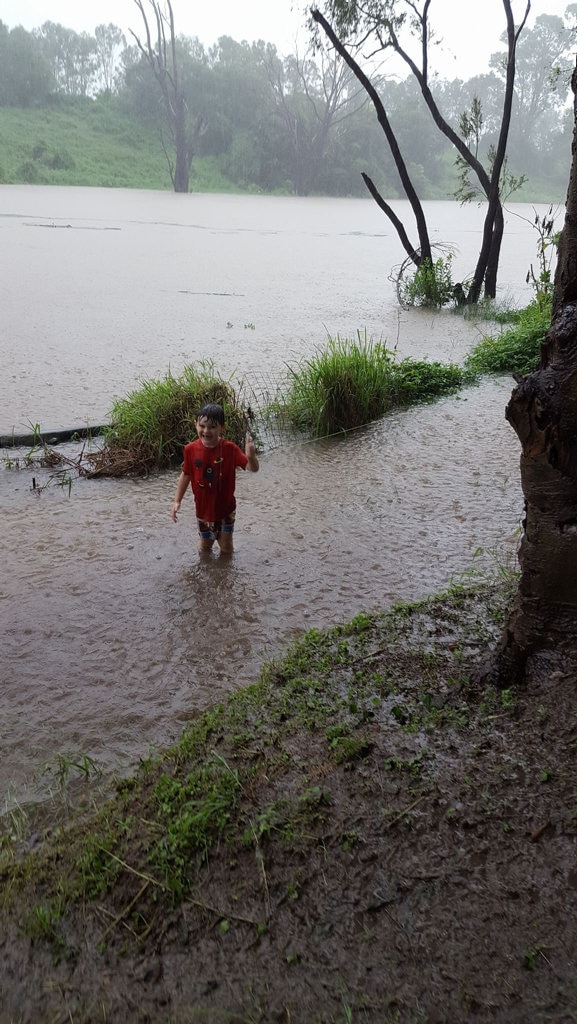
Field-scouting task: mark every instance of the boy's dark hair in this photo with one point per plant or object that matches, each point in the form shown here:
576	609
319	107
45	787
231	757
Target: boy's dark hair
212	412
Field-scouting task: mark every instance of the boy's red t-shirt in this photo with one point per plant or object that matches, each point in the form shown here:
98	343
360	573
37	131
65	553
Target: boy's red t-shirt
212	473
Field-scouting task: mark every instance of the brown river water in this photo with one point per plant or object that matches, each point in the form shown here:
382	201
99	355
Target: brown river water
114	634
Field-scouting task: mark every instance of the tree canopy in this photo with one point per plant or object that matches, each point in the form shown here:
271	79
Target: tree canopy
274	122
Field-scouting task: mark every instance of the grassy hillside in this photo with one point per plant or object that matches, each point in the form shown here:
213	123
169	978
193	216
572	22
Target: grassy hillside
89	144
82	142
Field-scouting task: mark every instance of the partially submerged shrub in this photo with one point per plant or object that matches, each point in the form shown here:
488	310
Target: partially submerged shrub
149	427
430	285
515	350
419	381
350	383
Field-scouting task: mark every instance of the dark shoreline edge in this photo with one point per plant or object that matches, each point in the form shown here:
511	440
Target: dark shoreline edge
51	437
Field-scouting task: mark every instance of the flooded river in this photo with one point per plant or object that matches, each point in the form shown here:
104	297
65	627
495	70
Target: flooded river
113	633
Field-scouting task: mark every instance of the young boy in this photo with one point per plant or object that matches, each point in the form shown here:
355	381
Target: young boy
209	466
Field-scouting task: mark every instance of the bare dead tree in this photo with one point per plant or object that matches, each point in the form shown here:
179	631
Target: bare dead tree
159	49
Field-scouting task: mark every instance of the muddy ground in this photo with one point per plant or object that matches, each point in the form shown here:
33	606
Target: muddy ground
403	848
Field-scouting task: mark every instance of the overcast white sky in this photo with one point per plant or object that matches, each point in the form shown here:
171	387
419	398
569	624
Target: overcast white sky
470	29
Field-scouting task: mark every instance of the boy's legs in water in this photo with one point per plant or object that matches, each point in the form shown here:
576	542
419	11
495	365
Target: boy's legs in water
224	541
220	532
224	535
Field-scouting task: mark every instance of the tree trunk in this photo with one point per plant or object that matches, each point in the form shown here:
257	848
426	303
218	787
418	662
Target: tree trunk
494	254
182	162
162	58
488	261
543	412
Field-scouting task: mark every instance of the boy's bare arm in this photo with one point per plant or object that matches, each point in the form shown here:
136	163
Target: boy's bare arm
250	452
181	486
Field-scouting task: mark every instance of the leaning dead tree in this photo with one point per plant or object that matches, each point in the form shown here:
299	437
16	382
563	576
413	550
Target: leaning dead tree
543	412
160	51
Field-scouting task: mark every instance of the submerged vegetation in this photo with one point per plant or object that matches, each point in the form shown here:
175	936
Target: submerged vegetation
347	384
343	386
431	284
351	382
515	350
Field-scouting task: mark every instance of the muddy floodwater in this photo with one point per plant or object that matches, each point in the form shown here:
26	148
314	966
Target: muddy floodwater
114	634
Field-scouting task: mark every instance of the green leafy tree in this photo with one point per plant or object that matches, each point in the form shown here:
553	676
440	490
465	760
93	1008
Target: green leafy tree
25	76
543	69
237	106
312	98
71	56
110	42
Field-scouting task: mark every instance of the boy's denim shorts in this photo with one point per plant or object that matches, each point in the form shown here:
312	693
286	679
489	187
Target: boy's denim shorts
210	531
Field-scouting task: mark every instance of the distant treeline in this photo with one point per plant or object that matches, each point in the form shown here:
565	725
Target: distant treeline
297	125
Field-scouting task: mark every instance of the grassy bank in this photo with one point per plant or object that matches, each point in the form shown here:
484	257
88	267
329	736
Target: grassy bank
76	141
93	144
355	837
516	349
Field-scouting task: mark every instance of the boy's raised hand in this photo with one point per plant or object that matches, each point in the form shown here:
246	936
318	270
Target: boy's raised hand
249	448
250	452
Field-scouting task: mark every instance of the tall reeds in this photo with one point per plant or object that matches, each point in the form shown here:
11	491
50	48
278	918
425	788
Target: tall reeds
352	382
150	426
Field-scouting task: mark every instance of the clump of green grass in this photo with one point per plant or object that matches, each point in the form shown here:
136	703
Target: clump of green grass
515	350
194	811
352	382
149	427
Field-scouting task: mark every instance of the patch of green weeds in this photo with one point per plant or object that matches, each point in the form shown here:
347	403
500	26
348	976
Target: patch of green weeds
349	839
515	350
347	748
97	868
360	623
411	765
351	382
43	924
194	811
531	956
150	426
496	703
196	735
273	819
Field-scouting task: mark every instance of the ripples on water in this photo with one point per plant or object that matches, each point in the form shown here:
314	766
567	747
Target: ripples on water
114	633
107	286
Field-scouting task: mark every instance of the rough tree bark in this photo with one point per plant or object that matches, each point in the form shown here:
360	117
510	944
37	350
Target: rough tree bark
543	412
